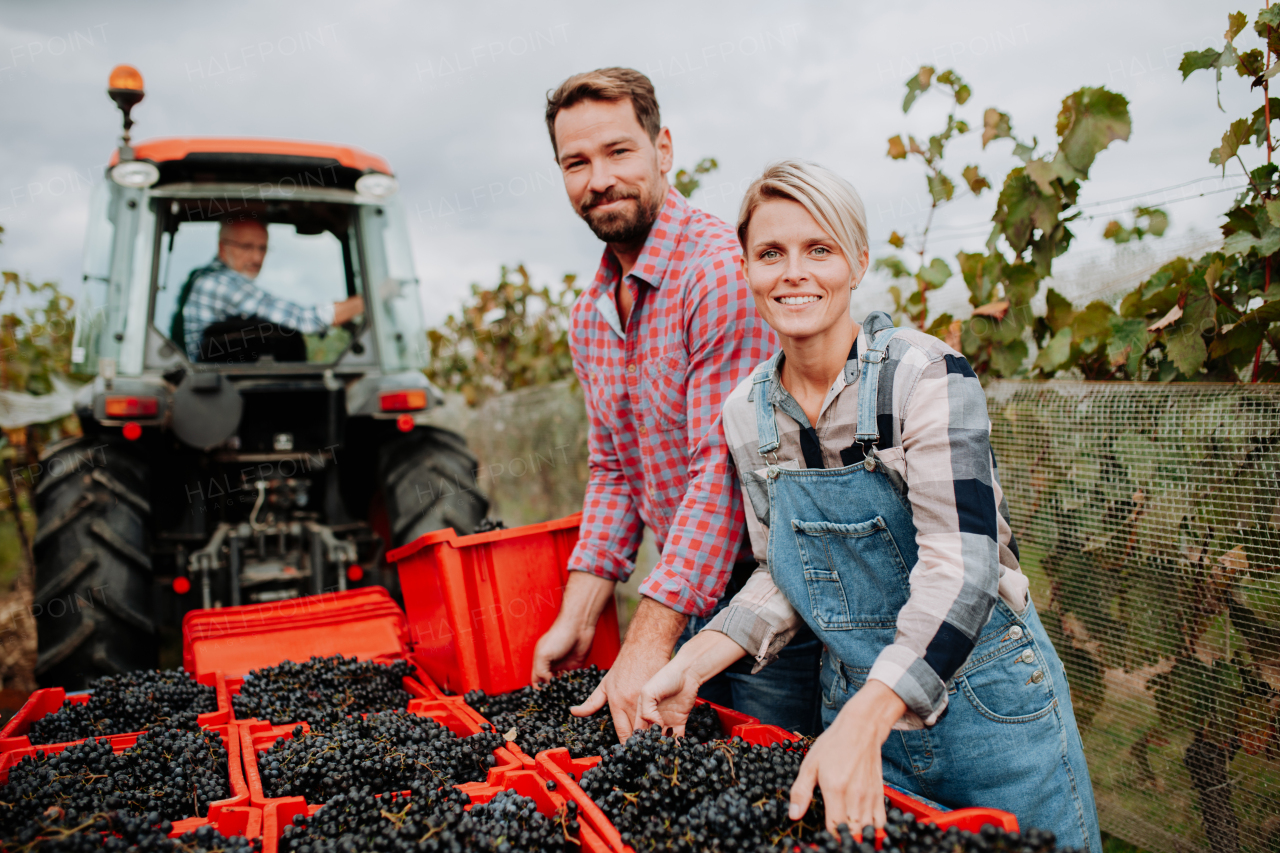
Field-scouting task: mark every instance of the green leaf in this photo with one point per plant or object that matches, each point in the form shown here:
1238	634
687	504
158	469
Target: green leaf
897	150
1250	63
1022	208
935	273
1186	349
1058	310
1203	60
1093	322
1129	339
1043	173
1235	23
1240	132
1090	120
1007	360
981	275
1269	17
962	94
894	265
917	85
896	240
995	125
1056	355
941	188
976	182
1157	219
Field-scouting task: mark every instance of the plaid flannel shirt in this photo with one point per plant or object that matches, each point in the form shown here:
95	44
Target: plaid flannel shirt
654	391
220	293
935	448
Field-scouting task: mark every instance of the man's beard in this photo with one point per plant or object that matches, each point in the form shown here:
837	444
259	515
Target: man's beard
627	226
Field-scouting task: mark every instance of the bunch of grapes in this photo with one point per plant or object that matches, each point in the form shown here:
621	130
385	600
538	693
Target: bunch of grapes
429	819
169	773
321	690
674	794
113	832
541	720
132	702
384	752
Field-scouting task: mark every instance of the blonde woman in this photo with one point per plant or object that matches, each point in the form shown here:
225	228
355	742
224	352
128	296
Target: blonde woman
877	520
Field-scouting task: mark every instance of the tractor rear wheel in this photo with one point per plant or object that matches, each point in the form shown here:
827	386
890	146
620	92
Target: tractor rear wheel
93	567
428	481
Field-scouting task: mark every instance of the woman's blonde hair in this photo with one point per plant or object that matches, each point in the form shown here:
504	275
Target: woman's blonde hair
831	200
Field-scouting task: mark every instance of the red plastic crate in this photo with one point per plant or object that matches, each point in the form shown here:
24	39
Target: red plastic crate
14	736
258	737
228	820
418	687
365	623
557	764
230	735
528	783
478	604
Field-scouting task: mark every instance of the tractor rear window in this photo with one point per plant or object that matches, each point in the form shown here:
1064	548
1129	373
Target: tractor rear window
263	285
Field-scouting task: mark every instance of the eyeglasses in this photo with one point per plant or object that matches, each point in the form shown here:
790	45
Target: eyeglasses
248	247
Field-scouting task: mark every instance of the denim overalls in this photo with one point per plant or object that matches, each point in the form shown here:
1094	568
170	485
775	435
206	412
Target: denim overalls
841	547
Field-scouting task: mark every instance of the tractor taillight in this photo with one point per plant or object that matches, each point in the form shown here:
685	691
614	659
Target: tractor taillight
132	407
403	401
132	431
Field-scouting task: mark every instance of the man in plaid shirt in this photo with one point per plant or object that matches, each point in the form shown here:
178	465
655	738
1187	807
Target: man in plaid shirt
224	290
659	340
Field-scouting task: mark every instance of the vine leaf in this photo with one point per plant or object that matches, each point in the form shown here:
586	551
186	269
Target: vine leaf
1236	22
976	182
1240	132
1057	353
941	188
935	273
1175	313
896	240
1129	338
995	125
1090	120
1193	61
995	310
897	150
1186	348
917	85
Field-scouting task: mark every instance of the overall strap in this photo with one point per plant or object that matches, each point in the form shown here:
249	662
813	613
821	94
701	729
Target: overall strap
766	423
868	432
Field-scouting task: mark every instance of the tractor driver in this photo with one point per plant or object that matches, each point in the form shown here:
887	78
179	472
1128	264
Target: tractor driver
224	290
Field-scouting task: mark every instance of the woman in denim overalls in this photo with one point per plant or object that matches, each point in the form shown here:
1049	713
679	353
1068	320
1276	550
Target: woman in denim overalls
980	713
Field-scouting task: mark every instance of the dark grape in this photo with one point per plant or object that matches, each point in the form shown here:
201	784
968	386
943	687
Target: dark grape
321	690
171	773
132	702
431	819
384	752
542	720
115	832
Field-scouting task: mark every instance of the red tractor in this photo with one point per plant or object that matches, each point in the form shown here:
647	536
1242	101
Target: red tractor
263	462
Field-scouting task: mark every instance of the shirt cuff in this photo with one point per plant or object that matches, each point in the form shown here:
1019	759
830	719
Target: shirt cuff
326	313
915	682
758	636
668	588
594	560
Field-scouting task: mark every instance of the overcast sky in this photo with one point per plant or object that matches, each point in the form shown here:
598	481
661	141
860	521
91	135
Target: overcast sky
451	94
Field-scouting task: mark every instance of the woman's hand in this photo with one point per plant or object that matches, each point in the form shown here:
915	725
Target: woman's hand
845	762
667	698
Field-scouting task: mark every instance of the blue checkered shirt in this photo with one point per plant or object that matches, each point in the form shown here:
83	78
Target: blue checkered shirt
220	293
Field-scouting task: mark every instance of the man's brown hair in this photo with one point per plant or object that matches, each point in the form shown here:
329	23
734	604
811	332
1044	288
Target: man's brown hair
606	84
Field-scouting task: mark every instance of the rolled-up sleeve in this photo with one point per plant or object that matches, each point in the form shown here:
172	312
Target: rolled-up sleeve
954	584
759	618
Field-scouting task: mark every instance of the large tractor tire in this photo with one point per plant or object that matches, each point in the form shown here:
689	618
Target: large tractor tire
93	567
428	481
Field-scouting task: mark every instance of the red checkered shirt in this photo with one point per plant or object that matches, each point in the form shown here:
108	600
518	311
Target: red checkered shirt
656	450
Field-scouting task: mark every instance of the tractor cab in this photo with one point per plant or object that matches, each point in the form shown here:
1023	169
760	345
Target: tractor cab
242	441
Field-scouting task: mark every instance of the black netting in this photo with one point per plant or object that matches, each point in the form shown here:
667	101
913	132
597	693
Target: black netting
1148	518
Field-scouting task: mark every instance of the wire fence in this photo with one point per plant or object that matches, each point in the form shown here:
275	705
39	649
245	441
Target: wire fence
1148	518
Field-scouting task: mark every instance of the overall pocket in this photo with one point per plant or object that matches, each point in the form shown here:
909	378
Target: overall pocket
1016	686
854	573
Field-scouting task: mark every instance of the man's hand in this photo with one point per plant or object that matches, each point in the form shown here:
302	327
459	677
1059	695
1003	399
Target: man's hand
568	640
845	762
347	309
650	639
668	697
